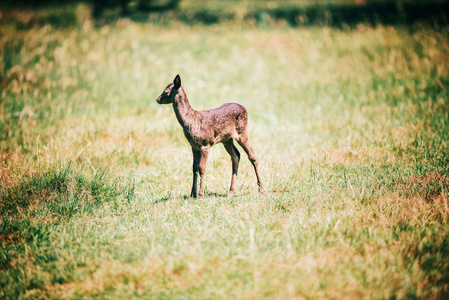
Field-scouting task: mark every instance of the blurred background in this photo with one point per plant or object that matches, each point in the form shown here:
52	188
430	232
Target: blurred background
339	13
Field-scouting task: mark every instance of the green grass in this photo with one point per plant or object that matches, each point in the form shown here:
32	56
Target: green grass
350	128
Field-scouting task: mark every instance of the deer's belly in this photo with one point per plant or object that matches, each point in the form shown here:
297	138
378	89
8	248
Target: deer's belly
198	142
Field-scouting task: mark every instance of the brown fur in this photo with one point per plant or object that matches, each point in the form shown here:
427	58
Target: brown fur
205	128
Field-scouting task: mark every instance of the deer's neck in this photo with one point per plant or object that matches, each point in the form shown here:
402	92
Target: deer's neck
185	114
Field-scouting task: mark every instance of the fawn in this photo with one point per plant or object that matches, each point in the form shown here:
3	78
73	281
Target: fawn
205	128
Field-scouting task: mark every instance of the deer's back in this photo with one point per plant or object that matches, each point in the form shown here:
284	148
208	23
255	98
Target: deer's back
227	113
232	116
219	124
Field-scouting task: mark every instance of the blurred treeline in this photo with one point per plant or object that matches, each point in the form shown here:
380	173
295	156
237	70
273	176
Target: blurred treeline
335	13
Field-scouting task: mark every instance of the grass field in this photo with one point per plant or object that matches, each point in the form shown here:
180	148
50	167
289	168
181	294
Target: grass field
350	127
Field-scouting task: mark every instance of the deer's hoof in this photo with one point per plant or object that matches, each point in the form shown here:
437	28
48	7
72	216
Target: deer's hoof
232	193
261	191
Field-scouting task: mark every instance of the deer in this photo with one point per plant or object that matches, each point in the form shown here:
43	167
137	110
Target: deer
206	128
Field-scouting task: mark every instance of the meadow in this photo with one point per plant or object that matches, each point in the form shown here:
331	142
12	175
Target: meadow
350	127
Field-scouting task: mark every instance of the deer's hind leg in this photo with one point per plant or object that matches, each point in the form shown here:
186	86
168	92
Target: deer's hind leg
244	143
235	158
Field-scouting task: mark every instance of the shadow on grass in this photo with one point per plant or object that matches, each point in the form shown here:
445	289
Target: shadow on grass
217	195
189	198
163	199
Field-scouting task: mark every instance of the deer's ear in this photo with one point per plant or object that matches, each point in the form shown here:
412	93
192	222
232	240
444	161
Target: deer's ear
177	81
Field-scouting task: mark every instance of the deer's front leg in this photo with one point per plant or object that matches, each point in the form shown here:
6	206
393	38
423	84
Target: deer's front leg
203	160
196	168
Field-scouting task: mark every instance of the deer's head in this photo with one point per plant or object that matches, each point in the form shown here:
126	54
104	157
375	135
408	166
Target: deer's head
168	95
